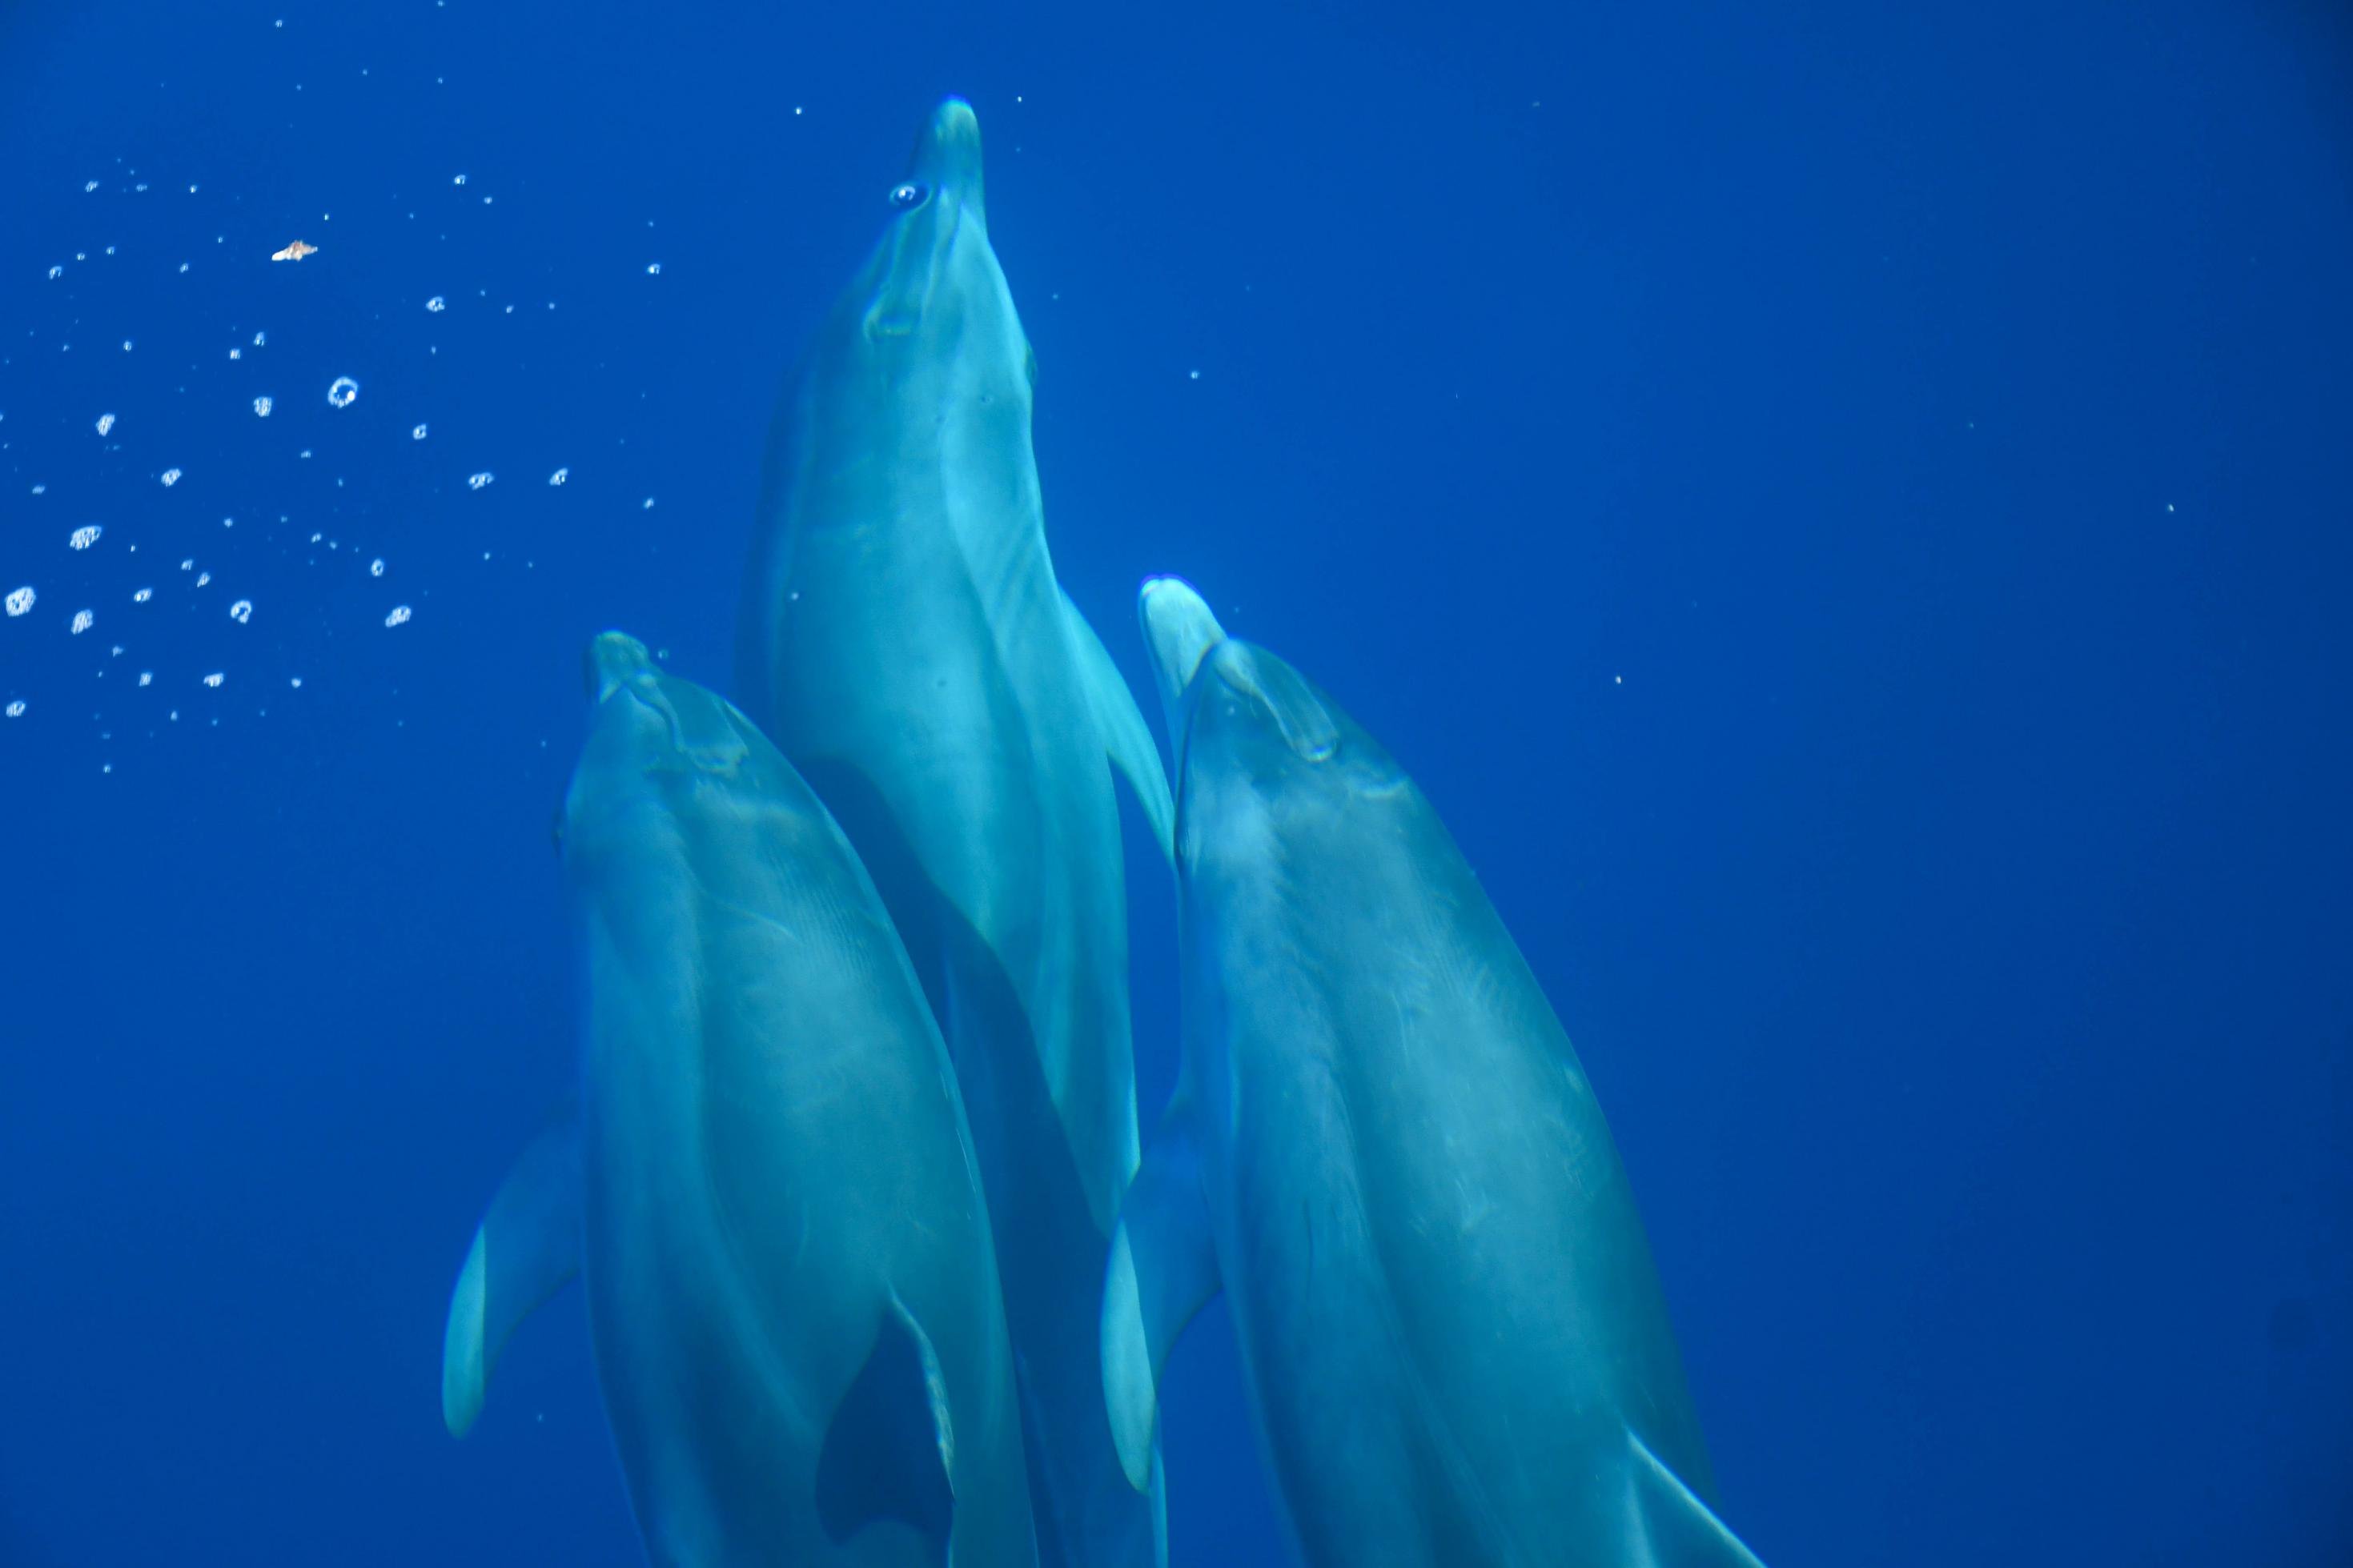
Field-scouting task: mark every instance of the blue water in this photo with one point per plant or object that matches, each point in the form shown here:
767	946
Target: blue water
1850	516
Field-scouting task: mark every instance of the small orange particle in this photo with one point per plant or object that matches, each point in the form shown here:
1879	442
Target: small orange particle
294	252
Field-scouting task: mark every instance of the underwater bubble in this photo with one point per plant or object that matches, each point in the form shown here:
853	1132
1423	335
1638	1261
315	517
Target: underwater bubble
236	353
188	565
146	678
17	709
417	434
241	612
476	481
376	567
343	392
559	477
399	615
142	595
296	682
203	578
171	476
458	181
85	536
216	678
82	621
437	304
259	339
653	269
19	600
262	406
106	423
56	272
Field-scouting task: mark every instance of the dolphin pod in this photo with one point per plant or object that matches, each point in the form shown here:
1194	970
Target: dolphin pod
1384	1150
769	1190
877	1272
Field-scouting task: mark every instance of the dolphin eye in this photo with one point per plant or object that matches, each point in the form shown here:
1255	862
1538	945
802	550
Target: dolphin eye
909	195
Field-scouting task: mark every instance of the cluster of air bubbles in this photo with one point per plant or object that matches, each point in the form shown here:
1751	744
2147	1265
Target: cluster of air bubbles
343	392
19	601
17	709
82	621
241	612
399	615
437	304
262	406
417	434
141	595
106	423
171	477
376	567
216	678
85	536
558	477
476	481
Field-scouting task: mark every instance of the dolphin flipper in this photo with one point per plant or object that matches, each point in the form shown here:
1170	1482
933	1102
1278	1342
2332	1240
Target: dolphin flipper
1164	1266
1678	1529
1126	735
526	1248
887	1451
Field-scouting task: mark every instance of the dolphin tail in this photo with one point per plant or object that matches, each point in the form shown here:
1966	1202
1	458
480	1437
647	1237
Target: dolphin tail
1126	737
1164	1266
526	1248
886	1453
1676	1530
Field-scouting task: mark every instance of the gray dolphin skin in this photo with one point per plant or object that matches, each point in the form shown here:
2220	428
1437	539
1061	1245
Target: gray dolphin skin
904	641
769	1190
1384	1150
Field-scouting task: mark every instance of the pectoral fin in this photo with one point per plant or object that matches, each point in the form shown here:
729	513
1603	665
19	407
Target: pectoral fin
1680	1530
1126	735
1164	1266
526	1248
887	1453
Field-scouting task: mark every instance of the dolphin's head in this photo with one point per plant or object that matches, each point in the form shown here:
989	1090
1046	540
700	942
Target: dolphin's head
930	312
1262	755
653	738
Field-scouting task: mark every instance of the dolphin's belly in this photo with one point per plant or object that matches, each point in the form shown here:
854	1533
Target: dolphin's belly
1445	1300
756	1204
947	730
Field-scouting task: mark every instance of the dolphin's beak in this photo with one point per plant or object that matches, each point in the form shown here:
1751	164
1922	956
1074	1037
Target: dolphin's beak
1178	631
947	156
694	725
614	657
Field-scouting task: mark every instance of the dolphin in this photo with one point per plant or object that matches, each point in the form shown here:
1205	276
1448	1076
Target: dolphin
905	643
1384	1150
768	1188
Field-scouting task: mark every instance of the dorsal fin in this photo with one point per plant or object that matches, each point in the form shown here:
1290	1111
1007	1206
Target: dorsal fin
888	1449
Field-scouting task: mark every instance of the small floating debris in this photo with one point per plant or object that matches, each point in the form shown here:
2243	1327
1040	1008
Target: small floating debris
19	600
171	477
399	615
476	481
82	621
559	477
262	406
241	612
85	536
106	423
344	390
294	252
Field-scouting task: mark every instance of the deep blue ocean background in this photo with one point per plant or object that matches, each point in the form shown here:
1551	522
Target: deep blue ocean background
1848	514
